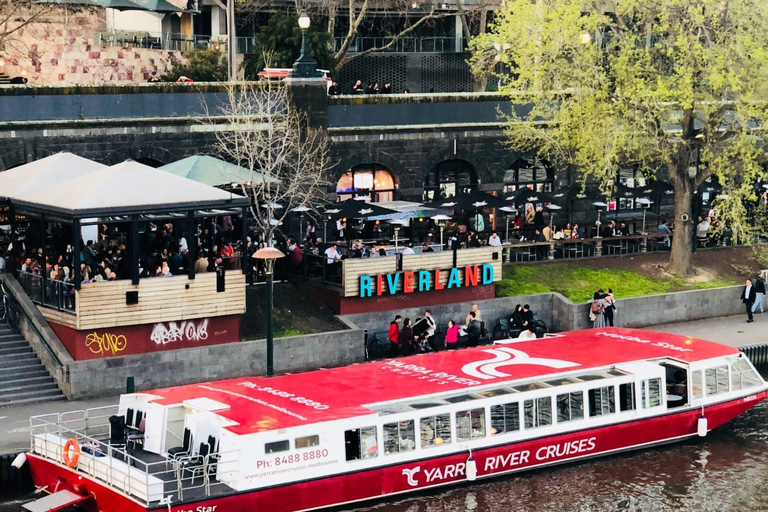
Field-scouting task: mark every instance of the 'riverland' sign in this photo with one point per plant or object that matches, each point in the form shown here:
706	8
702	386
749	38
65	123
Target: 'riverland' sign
426	280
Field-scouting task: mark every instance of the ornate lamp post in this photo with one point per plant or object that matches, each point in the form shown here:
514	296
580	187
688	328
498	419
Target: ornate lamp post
269	255
305	66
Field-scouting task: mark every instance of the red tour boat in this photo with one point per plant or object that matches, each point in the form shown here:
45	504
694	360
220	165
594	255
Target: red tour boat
345	435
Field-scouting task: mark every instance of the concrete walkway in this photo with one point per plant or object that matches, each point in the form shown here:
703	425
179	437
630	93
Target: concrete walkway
728	330
731	330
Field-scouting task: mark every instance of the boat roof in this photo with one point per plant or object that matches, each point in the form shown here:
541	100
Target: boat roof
259	404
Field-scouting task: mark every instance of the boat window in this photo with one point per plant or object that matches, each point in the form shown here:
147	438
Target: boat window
570	406
470	424
399	437
716	380
538	412
496	392
425	405
531	386
698	385
743	375
562	382
650	393
591	376
307	441
361	443
505	418
627	396
277	446
435	430
602	401
461	398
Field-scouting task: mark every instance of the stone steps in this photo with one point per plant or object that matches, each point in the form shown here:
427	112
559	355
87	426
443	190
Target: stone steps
23	378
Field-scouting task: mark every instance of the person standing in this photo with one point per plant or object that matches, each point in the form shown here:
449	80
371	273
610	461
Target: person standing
452	336
596	310
406	338
610	307
394	336
494	240
431	328
759	294
748	298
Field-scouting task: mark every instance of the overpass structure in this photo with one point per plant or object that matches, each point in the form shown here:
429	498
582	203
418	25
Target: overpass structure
388	147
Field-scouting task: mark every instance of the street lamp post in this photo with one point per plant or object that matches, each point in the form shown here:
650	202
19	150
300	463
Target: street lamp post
305	66
269	255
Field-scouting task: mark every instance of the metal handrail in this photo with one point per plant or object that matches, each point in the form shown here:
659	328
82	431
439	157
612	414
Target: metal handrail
50	423
34	328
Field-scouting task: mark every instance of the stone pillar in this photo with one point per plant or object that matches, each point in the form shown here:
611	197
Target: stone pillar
310	95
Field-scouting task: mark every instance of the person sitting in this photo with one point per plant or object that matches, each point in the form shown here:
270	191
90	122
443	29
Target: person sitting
408	249
426	248
518	318
477	314
494	240
528	334
527	314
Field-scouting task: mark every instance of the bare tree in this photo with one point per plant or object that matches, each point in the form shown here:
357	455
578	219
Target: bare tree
15	15
267	134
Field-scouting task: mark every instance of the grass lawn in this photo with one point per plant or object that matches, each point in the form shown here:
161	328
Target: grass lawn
580	282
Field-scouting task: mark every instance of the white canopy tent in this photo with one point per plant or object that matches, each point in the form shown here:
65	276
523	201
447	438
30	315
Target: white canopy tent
45	173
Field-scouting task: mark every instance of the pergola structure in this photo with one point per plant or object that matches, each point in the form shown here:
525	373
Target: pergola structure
129	192
121	317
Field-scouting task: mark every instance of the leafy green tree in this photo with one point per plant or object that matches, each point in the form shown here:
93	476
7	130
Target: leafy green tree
202	66
679	83
278	45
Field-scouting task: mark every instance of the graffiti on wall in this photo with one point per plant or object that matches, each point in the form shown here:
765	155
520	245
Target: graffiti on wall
170	332
106	343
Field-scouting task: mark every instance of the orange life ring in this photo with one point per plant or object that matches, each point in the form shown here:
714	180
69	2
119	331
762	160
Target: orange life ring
71	461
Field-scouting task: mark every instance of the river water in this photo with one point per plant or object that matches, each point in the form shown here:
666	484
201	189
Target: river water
727	471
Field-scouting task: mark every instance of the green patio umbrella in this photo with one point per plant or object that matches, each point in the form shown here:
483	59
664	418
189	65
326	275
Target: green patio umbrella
214	172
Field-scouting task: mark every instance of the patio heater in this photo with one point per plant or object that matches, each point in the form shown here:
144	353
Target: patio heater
301	210
397	224
269	255
553	208
441	220
645	203
507	210
599	205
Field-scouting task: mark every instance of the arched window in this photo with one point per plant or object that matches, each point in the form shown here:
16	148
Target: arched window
372	181
523	172
448	179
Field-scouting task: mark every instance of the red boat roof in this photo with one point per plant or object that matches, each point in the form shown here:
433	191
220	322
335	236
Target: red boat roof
259	404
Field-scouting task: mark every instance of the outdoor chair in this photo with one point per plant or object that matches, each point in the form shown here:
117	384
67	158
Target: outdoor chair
501	329
196	464
181	451
117	431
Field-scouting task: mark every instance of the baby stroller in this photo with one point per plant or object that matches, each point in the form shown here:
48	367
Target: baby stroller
421	336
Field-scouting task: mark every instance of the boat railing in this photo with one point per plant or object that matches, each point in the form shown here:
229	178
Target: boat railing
117	467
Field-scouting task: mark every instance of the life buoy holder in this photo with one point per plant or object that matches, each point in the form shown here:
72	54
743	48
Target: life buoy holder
71	460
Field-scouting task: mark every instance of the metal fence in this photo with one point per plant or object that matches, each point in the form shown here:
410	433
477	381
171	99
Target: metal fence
55	294
406	44
169	41
758	354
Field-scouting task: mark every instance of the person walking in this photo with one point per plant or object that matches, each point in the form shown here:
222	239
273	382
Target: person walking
406	338
759	294
748	298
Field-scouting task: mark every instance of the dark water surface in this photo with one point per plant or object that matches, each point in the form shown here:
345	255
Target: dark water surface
727	471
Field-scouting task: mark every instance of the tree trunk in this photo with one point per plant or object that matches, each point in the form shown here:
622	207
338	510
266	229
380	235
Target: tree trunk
680	260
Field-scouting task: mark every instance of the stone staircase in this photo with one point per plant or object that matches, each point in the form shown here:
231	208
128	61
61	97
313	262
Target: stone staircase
23	378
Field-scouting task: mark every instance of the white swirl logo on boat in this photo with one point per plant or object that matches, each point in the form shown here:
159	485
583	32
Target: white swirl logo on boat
410	473
488	368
